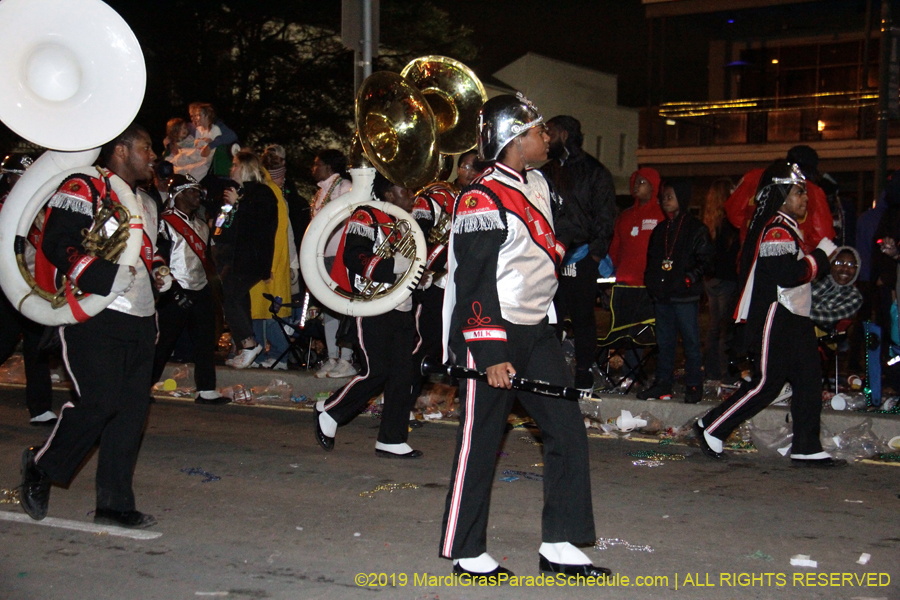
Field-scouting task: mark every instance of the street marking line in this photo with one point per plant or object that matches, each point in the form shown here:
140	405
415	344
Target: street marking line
81	526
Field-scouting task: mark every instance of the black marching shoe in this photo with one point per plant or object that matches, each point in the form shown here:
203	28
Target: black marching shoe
584	570
326	442
217	401
34	491
704	446
492	577
819	463
410	454
657	391
131	519
693	394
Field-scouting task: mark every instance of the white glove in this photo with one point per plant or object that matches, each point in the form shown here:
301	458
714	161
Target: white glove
162	282
827	246
426	281
123	281
401	264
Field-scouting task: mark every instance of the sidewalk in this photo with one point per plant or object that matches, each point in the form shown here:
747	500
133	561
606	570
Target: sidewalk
607	406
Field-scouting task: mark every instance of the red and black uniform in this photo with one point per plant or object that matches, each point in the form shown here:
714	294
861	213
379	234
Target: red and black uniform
189	304
109	356
13	325
432	209
775	304
386	342
503	262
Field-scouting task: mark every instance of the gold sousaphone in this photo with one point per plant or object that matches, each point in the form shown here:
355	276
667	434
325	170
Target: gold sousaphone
400	136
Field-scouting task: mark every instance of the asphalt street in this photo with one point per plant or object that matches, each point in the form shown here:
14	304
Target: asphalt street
287	520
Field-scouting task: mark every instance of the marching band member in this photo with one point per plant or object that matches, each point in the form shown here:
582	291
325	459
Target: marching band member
775	304
189	302
38	385
109	356
386	341
432	211
503	262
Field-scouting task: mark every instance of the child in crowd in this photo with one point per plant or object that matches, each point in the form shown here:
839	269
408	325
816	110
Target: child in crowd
678	256
177	137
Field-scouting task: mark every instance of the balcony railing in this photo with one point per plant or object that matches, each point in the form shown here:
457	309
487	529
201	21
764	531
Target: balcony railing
832	116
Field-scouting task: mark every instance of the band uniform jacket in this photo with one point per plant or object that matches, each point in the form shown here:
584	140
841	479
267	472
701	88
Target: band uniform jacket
183	255
504	258
70	210
781	273
357	262
428	210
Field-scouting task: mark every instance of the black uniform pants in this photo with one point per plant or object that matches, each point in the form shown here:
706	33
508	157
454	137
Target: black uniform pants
576	299
38	387
568	514
386	346
109	358
788	353
200	320
428	321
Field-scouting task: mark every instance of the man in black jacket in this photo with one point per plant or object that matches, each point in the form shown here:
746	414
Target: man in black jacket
589	214
679	254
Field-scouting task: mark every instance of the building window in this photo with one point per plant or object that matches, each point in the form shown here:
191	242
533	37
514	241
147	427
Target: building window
806	70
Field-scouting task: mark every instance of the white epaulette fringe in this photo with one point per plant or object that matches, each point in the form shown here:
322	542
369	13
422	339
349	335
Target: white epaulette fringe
777	248
71	203
357	228
421	213
483	221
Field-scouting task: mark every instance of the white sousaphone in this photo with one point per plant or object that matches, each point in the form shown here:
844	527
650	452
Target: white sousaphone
401	131
72	79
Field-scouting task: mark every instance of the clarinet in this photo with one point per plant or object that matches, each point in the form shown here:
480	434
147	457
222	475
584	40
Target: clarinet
430	366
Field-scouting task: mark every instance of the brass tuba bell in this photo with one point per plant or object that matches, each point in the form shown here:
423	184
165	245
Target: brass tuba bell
455	96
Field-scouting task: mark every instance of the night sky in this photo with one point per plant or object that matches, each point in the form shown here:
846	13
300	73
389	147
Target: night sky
606	35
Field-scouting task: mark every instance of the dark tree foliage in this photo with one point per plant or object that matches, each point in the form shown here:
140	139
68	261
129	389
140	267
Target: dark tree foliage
275	69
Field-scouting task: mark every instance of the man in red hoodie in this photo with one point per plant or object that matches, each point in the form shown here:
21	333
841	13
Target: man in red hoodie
816	225
628	250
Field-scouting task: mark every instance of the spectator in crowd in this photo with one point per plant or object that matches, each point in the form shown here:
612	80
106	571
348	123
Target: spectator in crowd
631	235
679	254
834	297
843	212
211	143
872	265
243	249
285	266
587	218
274	161
818	222
13	325
467	168
177	137
722	280
330	172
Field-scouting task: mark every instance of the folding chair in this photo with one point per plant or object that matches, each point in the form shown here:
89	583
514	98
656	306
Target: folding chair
633	327
833	342
298	334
